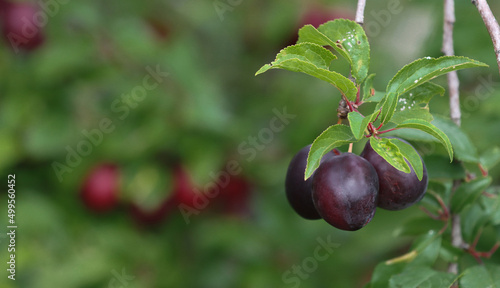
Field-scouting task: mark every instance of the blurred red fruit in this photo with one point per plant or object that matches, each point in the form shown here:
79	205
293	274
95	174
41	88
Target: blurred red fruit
183	188
182	193
160	30
21	25
234	198
101	188
156	216
317	15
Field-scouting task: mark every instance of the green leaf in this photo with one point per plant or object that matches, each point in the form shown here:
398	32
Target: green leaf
388	107
427	248
383	272
417	73
413	135
347	38
425	69
334	136
358	123
450	253
417	226
414	103
419	277
468	193
462	146
429	129
492	207
390	152
473	219
367	88
307	52
416	278
490	158
442	280
375	98
481	276
411	156
314	60
439	167
441	189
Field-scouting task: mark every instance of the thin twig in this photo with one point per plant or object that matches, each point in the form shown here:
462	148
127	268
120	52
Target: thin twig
429	213
448	50
453	87
472	249
456	233
491	24
360	12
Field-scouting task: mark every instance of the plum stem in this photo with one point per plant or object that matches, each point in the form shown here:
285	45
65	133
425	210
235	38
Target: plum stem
443	213
446	212
349	104
477	254
429	213
357	97
484	171
489	195
352	108
372	129
385	131
379	112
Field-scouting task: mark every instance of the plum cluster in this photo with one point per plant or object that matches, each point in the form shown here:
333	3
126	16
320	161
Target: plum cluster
346	188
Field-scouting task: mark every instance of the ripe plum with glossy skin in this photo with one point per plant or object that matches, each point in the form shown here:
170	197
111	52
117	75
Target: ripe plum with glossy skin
397	190
298	191
345	190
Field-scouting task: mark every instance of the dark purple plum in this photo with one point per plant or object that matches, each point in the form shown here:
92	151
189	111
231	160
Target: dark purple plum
397	190
345	190
298	191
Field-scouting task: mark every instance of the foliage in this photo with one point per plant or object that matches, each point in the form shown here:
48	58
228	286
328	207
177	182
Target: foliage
404	104
97	52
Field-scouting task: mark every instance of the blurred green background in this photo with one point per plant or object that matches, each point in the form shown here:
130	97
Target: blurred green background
203	113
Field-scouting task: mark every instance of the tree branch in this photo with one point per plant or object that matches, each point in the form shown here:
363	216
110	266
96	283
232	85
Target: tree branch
448	50
491	24
455	114
456	239
360	12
